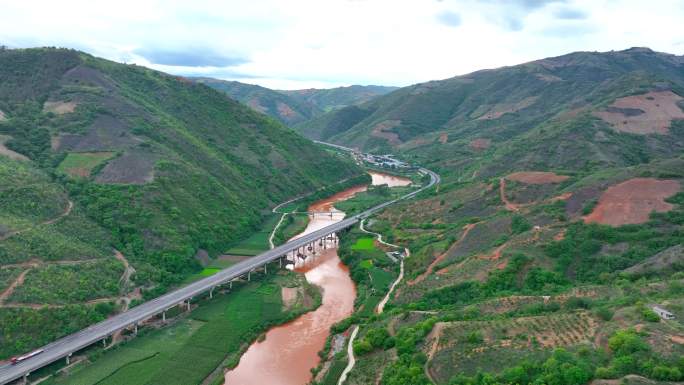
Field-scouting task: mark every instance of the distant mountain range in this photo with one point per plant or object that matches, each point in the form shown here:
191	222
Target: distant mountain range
560	203
568	111
294	107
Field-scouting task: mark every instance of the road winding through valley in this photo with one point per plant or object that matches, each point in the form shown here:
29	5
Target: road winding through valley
70	344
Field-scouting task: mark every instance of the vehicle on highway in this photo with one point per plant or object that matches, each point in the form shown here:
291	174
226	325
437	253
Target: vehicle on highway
16	360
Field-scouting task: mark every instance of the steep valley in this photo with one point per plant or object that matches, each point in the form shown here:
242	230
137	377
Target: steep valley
119	158
549	253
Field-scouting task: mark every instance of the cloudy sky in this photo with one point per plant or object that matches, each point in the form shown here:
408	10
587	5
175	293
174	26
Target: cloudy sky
293	44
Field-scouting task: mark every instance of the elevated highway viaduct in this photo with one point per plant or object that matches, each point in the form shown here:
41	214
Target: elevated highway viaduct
66	346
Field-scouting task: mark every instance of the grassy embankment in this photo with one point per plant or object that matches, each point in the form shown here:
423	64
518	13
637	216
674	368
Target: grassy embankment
373	272
258	242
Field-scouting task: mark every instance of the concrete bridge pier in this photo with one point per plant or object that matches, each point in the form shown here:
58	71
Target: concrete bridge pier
164	316
211	293
135	329
68	358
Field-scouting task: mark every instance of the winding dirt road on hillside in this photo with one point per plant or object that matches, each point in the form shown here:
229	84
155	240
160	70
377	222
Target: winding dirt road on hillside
510	206
124	282
17	282
125	279
434	335
67	211
420	278
127	295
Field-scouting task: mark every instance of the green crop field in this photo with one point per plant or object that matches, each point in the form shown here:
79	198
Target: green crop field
364	244
82	163
257	243
188	351
335	370
291	226
380	279
366	263
135	358
207	271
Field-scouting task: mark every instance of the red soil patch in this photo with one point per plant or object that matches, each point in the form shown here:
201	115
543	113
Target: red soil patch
677	339
498	110
633	201
443	138
496	254
562	197
650	113
480	144
536	177
420	278
446	270
502	265
59	107
255	104
285	111
560	236
510	206
384	130
17	282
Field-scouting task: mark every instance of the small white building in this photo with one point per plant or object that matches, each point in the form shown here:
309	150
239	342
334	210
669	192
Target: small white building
664	314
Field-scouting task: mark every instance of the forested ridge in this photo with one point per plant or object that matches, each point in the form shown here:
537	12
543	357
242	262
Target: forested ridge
154	166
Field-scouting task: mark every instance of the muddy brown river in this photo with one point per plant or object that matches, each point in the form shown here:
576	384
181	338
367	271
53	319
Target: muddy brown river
289	352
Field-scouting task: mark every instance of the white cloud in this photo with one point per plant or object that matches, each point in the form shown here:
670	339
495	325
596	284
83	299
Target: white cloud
309	43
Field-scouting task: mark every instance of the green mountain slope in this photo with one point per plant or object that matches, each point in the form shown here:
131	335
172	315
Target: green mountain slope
339	97
498	105
97	156
287	109
556	230
298	106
